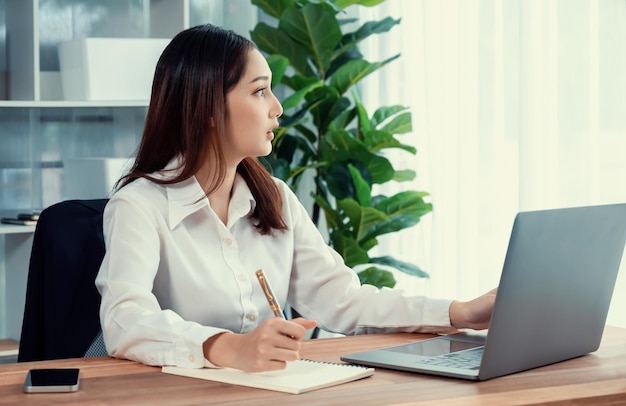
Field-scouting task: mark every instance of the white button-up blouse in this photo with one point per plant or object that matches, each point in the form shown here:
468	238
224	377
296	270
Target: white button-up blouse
174	275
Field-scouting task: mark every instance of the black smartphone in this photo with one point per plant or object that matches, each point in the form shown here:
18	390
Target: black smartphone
47	380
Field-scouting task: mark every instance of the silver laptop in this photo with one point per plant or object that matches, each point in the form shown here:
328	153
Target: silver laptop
553	298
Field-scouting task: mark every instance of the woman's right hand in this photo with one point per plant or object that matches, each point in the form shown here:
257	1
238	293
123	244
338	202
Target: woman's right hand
266	348
474	314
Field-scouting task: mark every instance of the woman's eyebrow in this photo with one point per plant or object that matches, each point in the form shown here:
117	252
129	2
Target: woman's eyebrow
260	78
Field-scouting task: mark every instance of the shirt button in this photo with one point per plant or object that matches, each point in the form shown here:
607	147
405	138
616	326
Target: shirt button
242	277
251	316
228	241
191	358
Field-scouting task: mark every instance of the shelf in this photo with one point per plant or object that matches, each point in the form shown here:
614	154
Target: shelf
16	229
72	104
8	347
30	165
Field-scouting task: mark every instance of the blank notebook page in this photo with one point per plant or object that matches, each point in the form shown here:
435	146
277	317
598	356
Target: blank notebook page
300	376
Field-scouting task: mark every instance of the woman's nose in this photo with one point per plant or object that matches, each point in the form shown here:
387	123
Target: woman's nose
277	111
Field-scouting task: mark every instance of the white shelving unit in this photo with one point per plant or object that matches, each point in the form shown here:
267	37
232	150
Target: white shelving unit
39	129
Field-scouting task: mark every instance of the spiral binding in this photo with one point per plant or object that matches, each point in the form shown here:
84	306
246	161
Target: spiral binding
333	363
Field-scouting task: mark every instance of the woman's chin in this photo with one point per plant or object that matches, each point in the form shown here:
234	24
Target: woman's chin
266	151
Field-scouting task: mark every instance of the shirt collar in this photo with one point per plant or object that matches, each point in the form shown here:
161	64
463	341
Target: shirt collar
187	197
183	199
242	201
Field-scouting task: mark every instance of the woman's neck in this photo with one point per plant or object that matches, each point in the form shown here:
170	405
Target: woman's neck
220	197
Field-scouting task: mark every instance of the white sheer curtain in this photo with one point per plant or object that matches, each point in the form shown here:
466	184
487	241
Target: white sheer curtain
517	105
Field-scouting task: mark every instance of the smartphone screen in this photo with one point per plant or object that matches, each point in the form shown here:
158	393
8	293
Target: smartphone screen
51	380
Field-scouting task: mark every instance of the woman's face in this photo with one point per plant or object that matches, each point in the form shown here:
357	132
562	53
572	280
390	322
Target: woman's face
253	112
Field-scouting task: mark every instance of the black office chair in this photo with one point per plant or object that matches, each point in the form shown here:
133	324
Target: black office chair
61	314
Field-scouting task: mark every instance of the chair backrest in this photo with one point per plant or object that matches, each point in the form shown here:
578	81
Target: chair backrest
61	314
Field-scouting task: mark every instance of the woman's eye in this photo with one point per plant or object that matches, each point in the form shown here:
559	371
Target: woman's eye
260	92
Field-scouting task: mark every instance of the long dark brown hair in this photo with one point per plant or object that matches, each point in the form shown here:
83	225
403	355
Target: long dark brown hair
192	79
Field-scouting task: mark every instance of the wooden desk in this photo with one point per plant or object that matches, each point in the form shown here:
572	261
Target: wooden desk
598	378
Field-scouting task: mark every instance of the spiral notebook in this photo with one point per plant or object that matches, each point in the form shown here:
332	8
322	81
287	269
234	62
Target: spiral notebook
300	376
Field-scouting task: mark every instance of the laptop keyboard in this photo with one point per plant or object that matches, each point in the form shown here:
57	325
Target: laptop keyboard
469	359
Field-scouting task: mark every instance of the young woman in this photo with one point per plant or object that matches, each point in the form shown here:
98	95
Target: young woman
198	215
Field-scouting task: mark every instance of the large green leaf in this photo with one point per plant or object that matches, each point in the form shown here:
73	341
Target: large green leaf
343	55
278	65
285	146
377	277
367	3
350	212
362	188
295	98
406	267
340	181
372	220
325	103
381	169
375	27
298	81
383	113
396	213
403	202
364	122
308	134
342	148
289	143
340	145
298	118
316	29
333	110
400	124
352	72
358	222
367	29
274	41
404	175
377	140
353	254
332	216
348	49
274	7
342	120
279	168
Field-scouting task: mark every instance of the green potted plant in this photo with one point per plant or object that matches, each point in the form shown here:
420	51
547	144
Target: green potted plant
326	129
